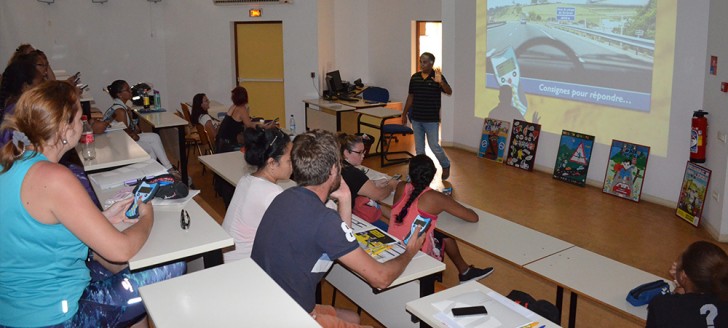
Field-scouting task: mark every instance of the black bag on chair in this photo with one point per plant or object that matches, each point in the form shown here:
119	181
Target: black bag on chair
541	307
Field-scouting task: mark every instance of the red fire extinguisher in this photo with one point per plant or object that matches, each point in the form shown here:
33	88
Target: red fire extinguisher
698	136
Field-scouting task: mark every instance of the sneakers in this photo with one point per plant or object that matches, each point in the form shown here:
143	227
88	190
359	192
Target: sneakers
445	173
474	273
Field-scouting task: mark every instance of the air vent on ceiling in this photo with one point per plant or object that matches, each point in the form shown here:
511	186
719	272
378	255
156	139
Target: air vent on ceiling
243	2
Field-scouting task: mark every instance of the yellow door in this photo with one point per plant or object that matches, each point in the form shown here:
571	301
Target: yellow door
259	68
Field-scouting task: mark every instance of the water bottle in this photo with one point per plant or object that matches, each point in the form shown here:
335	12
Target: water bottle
88	149
157	100
145	99
292	124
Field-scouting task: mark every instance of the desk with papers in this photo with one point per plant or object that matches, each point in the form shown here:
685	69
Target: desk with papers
435	310
167	240
387	306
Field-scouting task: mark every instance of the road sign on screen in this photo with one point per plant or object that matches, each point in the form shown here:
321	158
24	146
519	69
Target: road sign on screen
565	13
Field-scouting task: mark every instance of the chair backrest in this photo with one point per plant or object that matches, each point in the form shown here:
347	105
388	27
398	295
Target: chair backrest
205	138
189	130
186	111
376	94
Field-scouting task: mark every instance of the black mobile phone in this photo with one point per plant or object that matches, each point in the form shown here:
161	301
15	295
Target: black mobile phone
470	310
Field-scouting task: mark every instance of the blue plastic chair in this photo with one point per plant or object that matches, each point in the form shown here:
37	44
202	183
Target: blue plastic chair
389	132
376	94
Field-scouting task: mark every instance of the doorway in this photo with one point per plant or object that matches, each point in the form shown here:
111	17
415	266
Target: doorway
428	38
259	67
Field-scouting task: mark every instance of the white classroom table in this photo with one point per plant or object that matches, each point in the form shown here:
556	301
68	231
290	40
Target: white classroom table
319	114
599	278
231	166
502	238
237	294
114	148
423	308
168	241
388	306
505	239
420	266
164	120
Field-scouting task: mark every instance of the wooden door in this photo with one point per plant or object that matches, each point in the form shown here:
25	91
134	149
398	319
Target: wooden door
259	67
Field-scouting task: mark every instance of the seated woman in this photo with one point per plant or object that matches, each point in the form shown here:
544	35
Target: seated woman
270	151
362	189
417	199
19	76
199	115
49	225
43	66
237	118
150	142
22	75
230	136
701	275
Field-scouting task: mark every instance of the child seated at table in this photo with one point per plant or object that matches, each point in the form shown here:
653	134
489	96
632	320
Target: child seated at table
700	298
120	91
415	199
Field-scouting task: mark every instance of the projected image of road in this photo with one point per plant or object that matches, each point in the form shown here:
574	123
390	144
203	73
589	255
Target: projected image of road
590	51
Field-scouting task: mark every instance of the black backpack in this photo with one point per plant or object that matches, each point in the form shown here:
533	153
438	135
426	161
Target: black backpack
543	308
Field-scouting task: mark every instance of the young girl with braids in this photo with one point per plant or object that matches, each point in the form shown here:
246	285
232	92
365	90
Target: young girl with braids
415	199
701	296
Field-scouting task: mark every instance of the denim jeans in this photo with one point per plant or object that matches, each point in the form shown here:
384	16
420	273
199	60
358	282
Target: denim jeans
432	131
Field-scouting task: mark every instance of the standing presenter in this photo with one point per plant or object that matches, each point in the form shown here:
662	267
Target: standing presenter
423	103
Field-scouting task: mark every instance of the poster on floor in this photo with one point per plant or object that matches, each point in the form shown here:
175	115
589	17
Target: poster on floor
572	158
626	170
523	144
692	193
493	141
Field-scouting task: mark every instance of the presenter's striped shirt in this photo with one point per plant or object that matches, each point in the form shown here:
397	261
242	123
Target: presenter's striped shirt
425	97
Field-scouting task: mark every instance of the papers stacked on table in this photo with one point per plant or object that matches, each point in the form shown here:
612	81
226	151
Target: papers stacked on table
117	177
502	312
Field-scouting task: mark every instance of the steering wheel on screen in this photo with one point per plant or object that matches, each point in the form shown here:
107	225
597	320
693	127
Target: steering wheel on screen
546	41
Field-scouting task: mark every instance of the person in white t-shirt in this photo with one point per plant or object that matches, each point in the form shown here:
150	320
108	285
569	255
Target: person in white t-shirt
270	151
200	106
